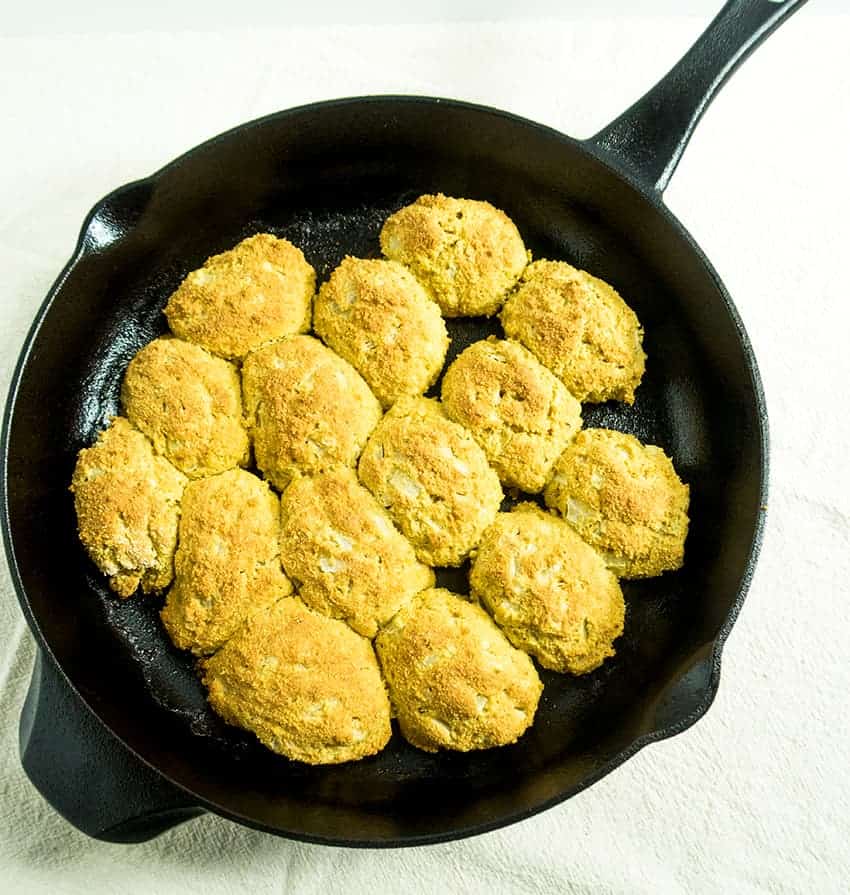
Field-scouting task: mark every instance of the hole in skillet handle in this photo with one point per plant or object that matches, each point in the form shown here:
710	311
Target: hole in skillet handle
114	796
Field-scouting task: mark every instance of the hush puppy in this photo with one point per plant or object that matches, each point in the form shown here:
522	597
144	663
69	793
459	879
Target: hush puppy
257	292
342	552
433	478
378	316
307	409
468	253
579	327
522	415
189	404
228	562
547	590
307	686
455	682
128	501
625	499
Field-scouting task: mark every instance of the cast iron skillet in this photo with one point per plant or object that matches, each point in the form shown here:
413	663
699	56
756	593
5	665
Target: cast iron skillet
115	732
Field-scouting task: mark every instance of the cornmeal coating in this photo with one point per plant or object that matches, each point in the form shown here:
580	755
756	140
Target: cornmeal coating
189	404
307	409
433	478
342	552
380	318
625	499
455	681
580	328
306	685
522	415
547	590
256	292
128	501
468	253
227	564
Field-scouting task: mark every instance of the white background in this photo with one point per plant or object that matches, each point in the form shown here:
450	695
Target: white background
59	16
756	797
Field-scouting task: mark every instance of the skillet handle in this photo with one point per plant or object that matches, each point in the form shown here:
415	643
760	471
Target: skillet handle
648	139
689	696
90	778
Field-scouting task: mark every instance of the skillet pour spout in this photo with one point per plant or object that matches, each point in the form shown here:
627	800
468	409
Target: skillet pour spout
115	732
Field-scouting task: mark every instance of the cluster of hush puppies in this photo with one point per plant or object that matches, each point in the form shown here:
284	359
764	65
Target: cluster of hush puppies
313	614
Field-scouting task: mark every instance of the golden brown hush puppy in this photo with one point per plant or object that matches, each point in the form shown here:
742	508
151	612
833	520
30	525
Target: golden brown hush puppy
256	292
548	590
580	328
189	404
378	316
305	684
307	409
433	478
625	499
128	501
227	564
455	681
343	553
468	253
522	415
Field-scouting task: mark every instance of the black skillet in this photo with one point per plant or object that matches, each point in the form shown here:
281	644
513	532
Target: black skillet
115	732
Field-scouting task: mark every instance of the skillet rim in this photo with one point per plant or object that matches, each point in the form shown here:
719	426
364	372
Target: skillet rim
650	195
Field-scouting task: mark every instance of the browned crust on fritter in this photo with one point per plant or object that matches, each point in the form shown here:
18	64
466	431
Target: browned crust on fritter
189	404
127	503
522	415
306	685
548	590
433	478
227	564
455	681
580	328
467	252
341	550
380	318
307	409
256	292
625	499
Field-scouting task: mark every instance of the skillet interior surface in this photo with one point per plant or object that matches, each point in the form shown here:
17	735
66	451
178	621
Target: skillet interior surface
325	177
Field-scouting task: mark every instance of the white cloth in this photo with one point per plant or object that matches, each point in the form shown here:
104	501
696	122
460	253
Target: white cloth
754	798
